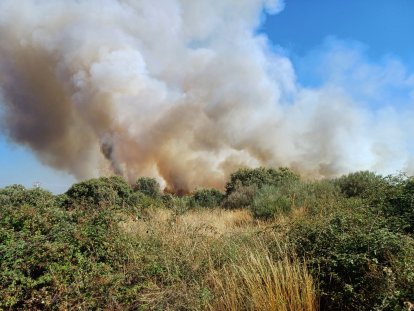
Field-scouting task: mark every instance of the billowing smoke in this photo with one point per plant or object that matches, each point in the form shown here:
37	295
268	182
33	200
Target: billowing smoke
184	90
107	149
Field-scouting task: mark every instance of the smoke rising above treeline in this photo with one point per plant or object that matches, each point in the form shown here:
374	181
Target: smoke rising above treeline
183	90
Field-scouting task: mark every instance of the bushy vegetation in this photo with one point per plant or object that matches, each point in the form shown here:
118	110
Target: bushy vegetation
259	177
113	191
242	197
360	184
148	186
359	262
270	201
272	241
208	197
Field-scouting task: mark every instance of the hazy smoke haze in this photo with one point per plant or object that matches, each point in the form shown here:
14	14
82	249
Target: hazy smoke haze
183	90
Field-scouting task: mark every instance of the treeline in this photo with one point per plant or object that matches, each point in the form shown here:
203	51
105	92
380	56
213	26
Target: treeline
348	242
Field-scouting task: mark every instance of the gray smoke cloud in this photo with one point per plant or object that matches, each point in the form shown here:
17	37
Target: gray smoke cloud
183	90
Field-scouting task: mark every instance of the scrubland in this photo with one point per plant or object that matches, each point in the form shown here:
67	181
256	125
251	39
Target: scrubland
271	241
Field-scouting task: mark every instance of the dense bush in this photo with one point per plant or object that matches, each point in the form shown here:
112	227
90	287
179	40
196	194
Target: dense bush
360	263
102	245
168	200
148	186
18	195
398	204
242	197
269	201
259	177
362	184
52	258
181	204
121	187
112	190
405	209
135	199
208	197
313	197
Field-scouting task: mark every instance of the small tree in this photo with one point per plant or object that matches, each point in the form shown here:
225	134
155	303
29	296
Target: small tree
242	197
148	186
398	205
93	191
208	197
360	184
268	202
359	262
259	177
121	187
17	195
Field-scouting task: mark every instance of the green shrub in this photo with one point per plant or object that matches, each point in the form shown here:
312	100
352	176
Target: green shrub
268	202
121	187
93	191
148	186
242	197
168	200
392	196
360	184
104	190
259	177
360	263
398	205
208	197
39	197
63	200
12	195
17	195
181	204
315	197
52	258
406	208
136	199
26	251
146	201
353	233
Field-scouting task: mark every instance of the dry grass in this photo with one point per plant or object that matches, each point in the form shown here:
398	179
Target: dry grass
254	281
209	222
220	221
213	260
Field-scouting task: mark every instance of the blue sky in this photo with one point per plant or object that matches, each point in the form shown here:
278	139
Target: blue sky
20	166
380	32
386	27
377	36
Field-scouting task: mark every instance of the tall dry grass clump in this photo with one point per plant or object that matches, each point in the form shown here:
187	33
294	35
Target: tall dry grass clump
214	260
257	281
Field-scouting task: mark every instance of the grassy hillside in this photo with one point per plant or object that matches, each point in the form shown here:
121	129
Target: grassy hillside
271	241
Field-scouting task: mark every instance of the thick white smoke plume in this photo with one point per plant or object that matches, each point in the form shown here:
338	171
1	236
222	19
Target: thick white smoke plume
184	90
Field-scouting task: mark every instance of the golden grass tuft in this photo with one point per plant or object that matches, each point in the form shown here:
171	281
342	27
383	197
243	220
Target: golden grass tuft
220	221
207	221
214	259
256	281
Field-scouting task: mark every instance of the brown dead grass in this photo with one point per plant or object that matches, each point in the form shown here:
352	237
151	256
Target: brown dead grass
209	222
214	259
256	281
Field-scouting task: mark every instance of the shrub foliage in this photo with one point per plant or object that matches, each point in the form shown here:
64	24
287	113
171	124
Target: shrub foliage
208	197
148	186
359	262
106	245
259	177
